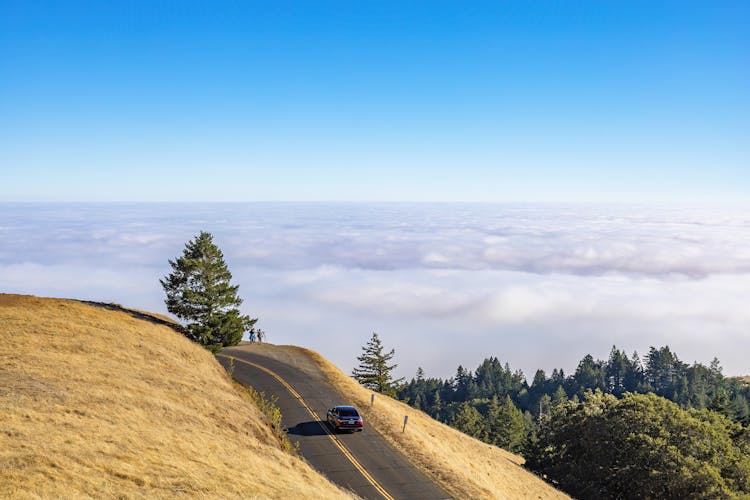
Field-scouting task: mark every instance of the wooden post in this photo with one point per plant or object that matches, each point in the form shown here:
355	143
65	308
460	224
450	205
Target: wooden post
372	399
406	419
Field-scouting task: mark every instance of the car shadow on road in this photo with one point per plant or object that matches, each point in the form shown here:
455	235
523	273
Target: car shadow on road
312	428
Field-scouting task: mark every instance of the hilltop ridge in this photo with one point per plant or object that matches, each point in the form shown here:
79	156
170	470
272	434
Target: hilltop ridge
98	402
101	400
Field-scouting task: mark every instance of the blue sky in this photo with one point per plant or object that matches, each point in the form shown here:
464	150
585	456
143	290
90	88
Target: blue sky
361	101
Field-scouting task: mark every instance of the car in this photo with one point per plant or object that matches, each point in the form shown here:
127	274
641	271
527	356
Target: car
344	417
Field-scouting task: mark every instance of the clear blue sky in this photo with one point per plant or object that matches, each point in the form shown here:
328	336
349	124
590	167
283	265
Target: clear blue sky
411	101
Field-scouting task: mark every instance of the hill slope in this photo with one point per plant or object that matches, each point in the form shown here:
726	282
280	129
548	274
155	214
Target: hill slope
464	466
96	402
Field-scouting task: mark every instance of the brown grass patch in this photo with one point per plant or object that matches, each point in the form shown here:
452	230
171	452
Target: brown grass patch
96	402
464	466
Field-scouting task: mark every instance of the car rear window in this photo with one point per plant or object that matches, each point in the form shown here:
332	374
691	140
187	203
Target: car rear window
348	412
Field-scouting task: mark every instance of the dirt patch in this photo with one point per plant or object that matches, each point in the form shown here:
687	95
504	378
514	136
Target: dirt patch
19	384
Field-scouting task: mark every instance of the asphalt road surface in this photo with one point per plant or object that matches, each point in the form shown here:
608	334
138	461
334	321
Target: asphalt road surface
363	462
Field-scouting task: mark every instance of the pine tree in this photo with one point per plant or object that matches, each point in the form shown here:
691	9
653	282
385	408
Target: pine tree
616	367
437	407
545	405
506	424
540	379
741	409
418	401
559	396
373	371
632	380
199	291
492	422
721	404
469	421
590	374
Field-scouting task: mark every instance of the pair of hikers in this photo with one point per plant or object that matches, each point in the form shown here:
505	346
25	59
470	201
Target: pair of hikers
259	334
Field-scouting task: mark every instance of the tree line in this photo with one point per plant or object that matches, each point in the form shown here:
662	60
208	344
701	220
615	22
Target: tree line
624	427
660	372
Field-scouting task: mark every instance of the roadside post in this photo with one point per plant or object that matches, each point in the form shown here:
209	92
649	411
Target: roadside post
372	399
406	419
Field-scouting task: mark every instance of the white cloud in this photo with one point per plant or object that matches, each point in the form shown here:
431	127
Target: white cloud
443	284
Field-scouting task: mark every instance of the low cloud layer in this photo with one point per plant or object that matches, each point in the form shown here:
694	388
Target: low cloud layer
538	286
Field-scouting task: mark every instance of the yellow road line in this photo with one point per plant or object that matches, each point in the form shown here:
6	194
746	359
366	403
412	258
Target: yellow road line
317	418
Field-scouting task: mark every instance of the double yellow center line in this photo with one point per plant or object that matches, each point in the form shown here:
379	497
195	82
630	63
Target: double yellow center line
317	418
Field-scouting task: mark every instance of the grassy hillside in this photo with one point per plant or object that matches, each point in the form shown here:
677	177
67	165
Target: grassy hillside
102	403
466	467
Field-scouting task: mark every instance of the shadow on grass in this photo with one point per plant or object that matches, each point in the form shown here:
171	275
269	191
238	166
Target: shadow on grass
138	315
312	428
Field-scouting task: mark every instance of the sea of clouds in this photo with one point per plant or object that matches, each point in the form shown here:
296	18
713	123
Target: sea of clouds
538	286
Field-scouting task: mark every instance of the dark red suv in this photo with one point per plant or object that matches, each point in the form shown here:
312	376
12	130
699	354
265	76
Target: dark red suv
345	417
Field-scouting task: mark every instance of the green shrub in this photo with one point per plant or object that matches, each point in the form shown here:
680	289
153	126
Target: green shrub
267	406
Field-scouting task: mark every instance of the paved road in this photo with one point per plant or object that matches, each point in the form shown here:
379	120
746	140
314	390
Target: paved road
363	462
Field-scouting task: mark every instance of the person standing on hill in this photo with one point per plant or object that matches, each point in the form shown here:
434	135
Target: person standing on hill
261	335
251	336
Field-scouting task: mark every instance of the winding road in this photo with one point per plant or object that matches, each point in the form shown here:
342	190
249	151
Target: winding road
363	462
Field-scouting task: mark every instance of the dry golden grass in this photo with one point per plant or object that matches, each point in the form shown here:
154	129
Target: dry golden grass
97	403
465	467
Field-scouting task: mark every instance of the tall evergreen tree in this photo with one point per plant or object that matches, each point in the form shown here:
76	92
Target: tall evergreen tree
633	379
506	424
559	396
721	404
461	383
373	371
199	292
545	406
540	379
436	410
469	421
590	374
741	409
663	369
617	366
418	402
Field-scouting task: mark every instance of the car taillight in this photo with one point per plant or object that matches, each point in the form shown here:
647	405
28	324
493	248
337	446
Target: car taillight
360	423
